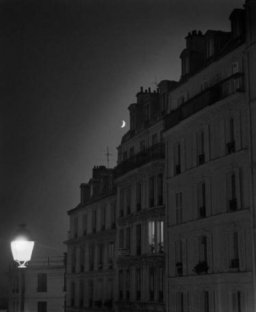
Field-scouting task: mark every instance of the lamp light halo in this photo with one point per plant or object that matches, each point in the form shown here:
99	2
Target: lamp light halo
22	247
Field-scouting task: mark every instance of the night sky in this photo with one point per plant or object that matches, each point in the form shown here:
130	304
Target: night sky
69	69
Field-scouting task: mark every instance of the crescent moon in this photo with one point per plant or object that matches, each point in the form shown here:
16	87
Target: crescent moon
123	124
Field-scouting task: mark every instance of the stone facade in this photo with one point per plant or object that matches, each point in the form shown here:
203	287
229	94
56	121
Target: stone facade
183	205
91	245
38	288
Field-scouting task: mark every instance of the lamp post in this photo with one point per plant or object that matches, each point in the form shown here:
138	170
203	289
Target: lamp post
22	248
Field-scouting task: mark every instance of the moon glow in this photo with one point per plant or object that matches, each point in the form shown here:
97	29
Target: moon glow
123	124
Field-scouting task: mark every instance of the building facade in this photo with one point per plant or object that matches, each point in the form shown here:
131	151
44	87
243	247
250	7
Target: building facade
209	134
181	219
38	288
91	245
139	179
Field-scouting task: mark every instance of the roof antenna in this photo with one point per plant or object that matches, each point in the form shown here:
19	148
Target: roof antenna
108	155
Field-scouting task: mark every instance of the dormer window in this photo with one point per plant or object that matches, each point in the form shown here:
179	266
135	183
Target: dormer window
185	65
210	48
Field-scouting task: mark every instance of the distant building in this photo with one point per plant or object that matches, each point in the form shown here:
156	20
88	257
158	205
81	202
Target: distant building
91	245
38	288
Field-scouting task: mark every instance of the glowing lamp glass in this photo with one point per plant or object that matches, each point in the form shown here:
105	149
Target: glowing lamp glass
22	250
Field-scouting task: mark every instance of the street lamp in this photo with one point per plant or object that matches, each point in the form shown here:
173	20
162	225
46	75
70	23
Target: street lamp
22	247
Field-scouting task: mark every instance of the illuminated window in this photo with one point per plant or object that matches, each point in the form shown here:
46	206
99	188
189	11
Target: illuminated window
156	236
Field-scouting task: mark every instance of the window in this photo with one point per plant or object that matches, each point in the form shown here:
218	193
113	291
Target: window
138	284
177	159
234	263
125	156
121	284
230	145
110	254
121	238
42	282
91	257
210	47
138	239
179	257
142	146
103	218
81	294
121	212
160	189
200	148
82	259
113	216
84	224
203	249
41	306
156	236
100	256
151	191
185	65
235	67
206	303
128	200
75	227
128	238
128	284
236	301
161	285
72	295
201	200
91	292
178	204
138	196
131	152
151	283
73	260
154	139
180	302
232	189
94	221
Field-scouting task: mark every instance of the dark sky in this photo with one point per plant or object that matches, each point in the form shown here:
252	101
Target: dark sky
69	69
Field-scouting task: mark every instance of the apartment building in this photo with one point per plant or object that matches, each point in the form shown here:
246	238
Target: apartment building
140	254
91	245
38	288
210	155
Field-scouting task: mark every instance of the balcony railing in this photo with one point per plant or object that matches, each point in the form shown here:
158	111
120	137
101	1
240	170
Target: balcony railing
208	97
155	152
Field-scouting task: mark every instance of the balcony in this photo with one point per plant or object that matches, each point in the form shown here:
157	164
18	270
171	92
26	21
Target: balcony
219	91
155	152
